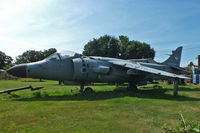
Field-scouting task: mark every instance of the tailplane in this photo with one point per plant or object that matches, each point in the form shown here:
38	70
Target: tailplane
175	58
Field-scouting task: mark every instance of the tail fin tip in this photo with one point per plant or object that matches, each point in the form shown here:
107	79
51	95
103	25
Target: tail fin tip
175	57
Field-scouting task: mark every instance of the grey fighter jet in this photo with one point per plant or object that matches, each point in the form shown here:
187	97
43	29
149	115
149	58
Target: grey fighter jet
73	67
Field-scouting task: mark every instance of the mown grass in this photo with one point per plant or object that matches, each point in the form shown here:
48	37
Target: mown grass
109	109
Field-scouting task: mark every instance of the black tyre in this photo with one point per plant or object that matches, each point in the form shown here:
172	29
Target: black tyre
88	90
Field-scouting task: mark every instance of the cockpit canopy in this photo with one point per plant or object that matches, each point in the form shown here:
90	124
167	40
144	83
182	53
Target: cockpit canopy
63	55
69	54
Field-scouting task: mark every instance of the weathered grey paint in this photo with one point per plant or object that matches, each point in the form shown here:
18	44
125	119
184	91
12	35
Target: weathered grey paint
76	68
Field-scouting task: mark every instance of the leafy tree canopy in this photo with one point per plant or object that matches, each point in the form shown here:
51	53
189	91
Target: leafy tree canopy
4	60
122	47
33	55
189	66
105	46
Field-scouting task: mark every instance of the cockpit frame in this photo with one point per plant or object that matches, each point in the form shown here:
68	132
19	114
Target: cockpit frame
63	55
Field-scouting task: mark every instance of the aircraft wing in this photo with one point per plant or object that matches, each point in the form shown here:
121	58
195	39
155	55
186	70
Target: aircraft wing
138	67
180	69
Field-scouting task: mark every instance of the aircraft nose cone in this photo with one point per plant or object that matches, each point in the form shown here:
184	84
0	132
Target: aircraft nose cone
18	70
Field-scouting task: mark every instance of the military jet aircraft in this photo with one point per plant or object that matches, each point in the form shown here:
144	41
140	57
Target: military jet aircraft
76	68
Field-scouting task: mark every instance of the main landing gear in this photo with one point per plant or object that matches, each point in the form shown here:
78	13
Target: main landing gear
87	90
132	87
175	87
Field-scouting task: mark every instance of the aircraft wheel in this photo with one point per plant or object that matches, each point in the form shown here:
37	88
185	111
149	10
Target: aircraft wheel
88	90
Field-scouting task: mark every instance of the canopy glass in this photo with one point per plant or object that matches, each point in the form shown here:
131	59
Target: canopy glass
63	55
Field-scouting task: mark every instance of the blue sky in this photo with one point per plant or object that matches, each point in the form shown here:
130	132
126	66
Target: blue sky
70	24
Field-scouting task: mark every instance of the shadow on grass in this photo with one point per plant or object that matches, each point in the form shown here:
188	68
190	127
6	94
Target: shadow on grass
101	84
188	89
32	81
150	93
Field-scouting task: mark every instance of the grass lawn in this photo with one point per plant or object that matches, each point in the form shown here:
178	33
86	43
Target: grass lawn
56	109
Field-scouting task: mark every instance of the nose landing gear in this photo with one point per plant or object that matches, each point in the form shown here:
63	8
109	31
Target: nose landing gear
87	90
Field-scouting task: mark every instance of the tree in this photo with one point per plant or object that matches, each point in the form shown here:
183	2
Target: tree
33	55
190	66
138	50
4	60
48	52
124	43
108	46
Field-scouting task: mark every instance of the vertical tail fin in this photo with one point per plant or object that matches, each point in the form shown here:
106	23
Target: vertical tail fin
175	58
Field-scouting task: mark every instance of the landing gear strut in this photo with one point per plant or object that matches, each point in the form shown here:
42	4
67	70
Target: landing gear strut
175	87
82	88
132	86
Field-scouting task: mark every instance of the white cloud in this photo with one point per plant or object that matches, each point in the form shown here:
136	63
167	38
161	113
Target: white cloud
39	24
